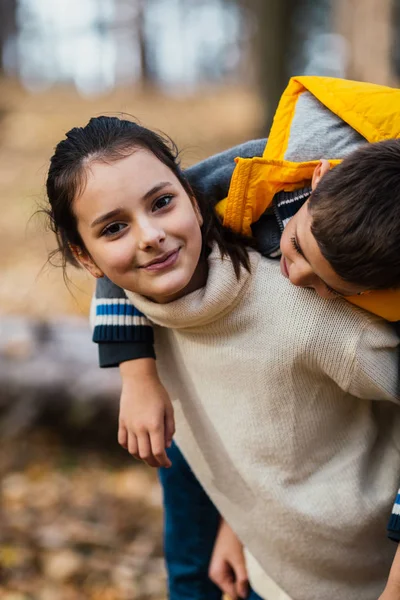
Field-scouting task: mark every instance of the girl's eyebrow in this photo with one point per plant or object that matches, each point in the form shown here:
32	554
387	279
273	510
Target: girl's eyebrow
113	213
157	188
105	217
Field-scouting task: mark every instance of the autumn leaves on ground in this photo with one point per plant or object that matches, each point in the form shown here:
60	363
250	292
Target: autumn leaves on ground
81	520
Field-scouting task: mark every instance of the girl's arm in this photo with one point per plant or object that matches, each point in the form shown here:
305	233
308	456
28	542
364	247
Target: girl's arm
392	589
227	566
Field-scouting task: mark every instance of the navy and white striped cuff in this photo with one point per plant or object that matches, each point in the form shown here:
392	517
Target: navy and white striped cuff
393	527
117	320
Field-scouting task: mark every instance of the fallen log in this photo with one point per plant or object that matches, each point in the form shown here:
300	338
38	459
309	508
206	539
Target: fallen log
50	368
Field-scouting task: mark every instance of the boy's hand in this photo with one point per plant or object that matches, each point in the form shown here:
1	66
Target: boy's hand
146	415
227	566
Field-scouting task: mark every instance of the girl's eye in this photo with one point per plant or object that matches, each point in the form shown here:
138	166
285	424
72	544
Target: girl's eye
162	202
296	246
113	229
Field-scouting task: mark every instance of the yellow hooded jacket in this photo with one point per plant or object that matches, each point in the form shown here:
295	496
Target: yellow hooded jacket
317	117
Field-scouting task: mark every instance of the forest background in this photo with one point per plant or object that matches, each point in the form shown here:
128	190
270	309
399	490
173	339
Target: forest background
78	518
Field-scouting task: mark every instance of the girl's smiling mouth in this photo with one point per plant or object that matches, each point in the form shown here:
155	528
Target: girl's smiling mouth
168	259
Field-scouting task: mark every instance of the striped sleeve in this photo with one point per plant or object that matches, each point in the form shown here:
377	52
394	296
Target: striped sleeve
393	528
117	320
114	319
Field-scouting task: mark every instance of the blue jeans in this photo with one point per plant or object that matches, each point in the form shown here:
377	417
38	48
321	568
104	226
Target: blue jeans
190	527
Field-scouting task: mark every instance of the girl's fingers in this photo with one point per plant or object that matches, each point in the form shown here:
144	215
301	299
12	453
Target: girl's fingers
123	436
144	450
133	445
169	425
223	578
242	585
157	440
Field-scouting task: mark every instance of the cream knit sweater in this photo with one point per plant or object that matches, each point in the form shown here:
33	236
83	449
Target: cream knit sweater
276	403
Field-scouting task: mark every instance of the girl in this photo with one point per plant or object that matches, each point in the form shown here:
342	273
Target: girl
277	416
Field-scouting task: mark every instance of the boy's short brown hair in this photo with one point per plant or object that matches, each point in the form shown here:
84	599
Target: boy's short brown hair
355	213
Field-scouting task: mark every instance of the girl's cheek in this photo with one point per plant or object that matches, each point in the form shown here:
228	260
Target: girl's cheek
118	256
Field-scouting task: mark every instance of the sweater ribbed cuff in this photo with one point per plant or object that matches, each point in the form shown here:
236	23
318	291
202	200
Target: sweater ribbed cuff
115	353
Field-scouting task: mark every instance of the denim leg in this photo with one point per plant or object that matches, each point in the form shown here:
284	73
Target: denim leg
190	526
253	596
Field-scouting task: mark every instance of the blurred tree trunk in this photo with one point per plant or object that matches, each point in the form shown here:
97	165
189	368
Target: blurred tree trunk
8	26
367	26
274	21
146	72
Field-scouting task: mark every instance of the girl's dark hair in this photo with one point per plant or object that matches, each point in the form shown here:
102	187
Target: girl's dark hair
111	139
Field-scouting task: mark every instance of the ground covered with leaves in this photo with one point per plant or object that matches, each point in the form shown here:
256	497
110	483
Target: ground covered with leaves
78	523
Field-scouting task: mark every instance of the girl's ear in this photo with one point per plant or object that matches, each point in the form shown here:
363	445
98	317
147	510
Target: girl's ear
86	261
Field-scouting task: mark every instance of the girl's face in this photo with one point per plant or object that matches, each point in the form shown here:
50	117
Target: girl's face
140	228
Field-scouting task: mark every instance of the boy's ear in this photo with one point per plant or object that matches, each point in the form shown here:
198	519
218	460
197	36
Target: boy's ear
84	259
319	171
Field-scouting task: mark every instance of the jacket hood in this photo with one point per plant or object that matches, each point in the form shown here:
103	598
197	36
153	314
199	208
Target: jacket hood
317	117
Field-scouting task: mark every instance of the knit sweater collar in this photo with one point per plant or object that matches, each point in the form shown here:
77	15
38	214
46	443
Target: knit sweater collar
218	297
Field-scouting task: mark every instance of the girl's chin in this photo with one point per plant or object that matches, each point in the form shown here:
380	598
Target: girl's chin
168	293
165	297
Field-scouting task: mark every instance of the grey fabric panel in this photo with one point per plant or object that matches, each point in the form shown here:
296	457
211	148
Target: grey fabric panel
318	133
107	289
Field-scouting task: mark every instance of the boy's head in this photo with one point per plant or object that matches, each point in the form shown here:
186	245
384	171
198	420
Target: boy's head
345	239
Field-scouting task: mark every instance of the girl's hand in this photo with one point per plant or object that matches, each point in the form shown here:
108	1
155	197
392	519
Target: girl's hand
392	589
146	416
227	566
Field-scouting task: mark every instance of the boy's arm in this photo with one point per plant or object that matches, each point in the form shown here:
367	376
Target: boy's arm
212	177
393	528
121	331
146	417
376	377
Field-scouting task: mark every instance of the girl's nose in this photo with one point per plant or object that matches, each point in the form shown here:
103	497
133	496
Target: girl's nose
149	236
